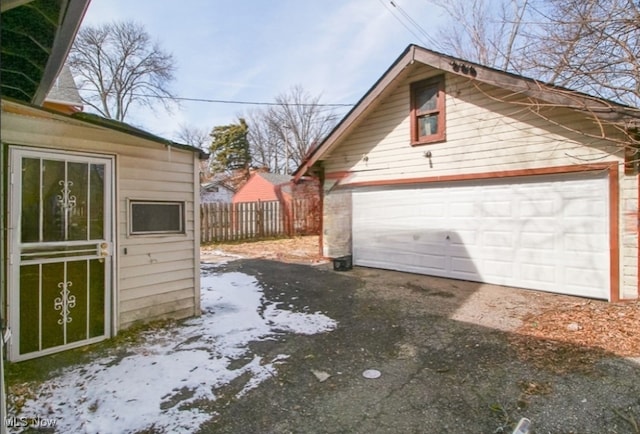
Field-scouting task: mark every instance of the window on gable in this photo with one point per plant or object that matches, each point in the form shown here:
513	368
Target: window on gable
427	111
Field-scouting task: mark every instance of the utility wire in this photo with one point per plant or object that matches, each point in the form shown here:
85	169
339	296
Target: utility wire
418	38
223	101
413	22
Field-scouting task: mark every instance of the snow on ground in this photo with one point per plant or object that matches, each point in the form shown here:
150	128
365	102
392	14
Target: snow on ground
155	385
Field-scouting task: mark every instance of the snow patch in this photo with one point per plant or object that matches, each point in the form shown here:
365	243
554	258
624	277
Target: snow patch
159	384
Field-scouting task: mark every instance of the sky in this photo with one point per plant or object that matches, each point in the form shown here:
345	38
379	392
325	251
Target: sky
142	390
255	50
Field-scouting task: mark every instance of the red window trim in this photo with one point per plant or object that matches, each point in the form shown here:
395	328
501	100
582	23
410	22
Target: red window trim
440	135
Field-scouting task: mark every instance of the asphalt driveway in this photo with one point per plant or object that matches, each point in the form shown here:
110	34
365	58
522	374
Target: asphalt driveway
446	357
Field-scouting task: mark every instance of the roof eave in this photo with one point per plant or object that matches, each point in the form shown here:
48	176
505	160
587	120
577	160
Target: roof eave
74	11
391	74
89	119
601	108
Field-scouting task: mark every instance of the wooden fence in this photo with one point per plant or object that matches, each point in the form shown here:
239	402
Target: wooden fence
256	220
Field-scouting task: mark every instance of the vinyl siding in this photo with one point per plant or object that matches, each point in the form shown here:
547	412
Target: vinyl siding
488	130
158	277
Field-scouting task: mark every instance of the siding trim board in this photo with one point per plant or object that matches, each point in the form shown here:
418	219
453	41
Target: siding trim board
344	175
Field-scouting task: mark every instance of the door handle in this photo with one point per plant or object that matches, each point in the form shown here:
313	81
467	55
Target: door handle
103	250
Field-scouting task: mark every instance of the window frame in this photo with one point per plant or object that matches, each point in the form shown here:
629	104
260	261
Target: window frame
132	202
439	136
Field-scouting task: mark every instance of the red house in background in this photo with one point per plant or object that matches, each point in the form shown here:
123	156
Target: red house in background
299	201
264	186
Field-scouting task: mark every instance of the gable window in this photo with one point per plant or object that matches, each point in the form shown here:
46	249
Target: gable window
156	217
427	111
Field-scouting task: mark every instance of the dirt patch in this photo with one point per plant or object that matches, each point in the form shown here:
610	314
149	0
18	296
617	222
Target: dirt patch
297	250
575	335
613	327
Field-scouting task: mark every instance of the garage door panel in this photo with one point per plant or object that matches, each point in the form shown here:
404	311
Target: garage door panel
496	209
539	273
537	208
583	243
498	269
498	238
540	232
537	240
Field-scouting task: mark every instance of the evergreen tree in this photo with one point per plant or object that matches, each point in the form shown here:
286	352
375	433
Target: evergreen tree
230	148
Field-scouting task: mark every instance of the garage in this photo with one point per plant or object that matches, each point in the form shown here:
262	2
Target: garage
547	233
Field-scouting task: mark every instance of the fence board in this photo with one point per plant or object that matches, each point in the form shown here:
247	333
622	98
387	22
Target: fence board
256	220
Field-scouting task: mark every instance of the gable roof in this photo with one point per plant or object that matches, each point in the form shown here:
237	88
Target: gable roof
90	119
36	38
208	185
275	178
64	89
599	107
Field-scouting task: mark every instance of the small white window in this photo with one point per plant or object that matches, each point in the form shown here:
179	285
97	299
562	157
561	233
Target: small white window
156	217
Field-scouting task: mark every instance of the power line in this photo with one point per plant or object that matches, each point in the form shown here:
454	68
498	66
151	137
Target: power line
237	102
413	22
402	22
223	101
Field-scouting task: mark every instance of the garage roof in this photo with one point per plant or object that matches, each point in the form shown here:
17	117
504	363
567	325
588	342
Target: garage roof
598	107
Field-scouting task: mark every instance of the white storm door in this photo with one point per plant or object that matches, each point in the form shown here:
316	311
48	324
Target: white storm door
61	239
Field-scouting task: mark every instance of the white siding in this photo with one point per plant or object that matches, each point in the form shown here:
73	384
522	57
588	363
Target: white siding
158	277
487	131
483	135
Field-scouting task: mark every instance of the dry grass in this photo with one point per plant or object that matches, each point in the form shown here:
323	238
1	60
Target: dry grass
301	250
573	336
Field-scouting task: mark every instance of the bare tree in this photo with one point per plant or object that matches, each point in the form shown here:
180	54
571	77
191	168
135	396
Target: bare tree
194	136
281	135
488	32
592	46
118	65
589	45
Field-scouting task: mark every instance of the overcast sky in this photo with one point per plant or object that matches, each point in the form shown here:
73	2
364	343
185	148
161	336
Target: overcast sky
254	50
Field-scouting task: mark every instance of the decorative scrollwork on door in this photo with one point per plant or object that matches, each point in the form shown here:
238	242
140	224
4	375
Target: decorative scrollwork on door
66	200
65	302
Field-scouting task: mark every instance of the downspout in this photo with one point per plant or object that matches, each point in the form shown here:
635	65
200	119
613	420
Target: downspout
321	210
3	284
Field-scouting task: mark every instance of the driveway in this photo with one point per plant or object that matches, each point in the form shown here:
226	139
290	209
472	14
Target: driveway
282	348
447	354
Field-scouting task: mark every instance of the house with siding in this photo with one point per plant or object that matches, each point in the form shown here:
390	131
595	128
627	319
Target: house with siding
452	169
264	186
216	192
102	219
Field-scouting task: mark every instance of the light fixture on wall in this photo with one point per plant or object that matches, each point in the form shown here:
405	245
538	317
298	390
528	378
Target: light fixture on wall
428	154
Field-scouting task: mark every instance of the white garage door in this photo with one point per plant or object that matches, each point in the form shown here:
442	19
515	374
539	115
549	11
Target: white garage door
549	233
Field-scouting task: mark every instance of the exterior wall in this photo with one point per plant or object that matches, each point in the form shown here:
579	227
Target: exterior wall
255	189
158	276
336	219
306	188
488	131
